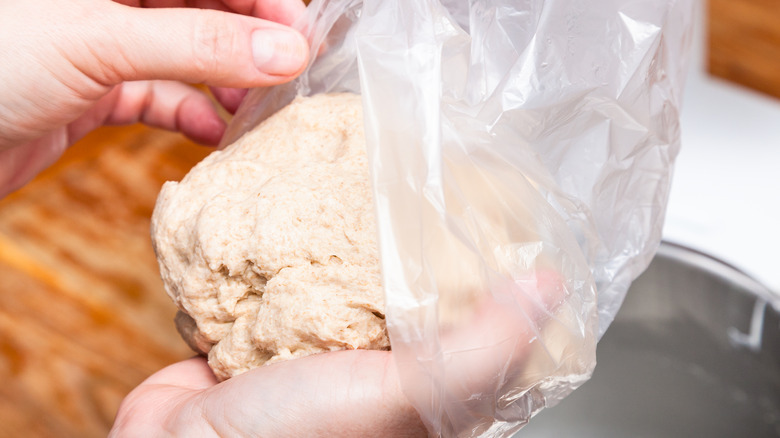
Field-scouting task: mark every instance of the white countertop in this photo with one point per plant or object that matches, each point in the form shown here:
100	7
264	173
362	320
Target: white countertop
725	198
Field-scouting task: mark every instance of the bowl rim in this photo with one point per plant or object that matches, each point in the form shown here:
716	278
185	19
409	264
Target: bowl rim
719	268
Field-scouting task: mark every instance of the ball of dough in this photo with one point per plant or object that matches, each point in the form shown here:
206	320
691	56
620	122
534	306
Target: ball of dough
268	247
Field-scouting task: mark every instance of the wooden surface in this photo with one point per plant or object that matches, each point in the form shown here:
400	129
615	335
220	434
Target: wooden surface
744	43
83	314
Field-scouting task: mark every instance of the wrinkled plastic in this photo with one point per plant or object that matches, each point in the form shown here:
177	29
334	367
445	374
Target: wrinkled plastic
521	154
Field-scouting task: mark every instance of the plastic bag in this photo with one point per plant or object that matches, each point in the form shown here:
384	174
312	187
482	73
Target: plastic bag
521	154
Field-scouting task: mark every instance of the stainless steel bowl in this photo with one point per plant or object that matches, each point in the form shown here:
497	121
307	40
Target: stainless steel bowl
693	352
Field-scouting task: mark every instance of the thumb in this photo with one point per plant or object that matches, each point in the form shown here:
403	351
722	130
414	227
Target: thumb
196	46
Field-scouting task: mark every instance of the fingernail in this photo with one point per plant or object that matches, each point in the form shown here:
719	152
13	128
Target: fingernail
278	52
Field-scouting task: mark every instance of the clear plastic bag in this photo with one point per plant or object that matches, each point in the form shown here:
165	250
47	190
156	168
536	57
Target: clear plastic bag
521	154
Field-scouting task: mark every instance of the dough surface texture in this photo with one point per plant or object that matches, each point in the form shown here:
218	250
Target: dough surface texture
268	247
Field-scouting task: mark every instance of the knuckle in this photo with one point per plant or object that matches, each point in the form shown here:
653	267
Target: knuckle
115	68
213	44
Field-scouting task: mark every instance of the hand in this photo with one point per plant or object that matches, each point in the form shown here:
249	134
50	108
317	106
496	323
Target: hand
69	67
353	393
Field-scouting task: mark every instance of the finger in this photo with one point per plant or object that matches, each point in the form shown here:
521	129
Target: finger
192	374
280	11
493	346
145	411
168	105
229	98
191	45
519	307
351	393
357	393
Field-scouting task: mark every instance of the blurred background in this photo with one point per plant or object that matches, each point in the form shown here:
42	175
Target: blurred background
83	314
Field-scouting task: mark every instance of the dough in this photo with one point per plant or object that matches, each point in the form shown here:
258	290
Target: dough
268	247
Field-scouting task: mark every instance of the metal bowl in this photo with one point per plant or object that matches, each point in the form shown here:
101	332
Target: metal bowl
693	352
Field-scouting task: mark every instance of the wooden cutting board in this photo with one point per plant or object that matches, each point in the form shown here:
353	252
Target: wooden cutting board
84	317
